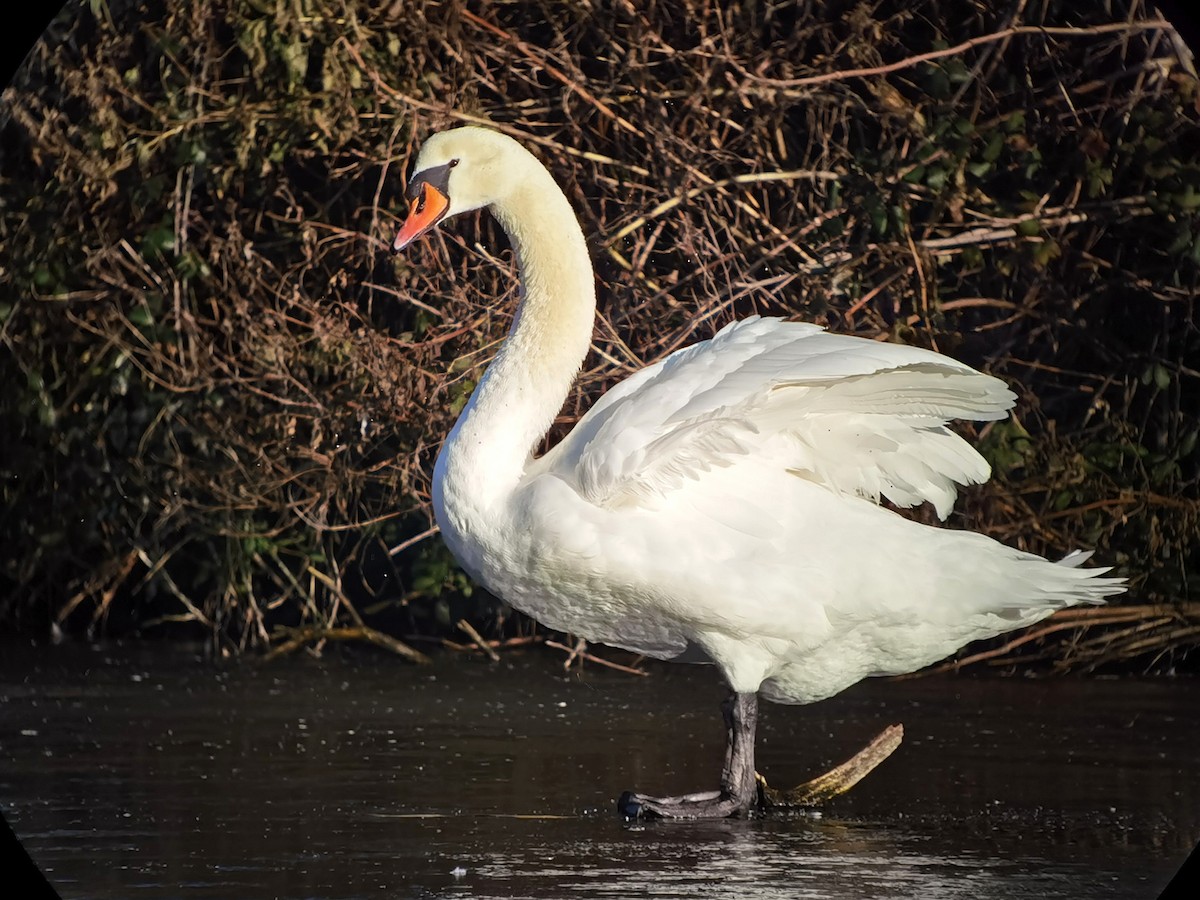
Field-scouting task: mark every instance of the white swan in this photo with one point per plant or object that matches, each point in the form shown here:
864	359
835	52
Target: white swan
725	498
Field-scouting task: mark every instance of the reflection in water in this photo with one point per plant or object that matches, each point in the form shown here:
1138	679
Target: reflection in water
132	772
750	861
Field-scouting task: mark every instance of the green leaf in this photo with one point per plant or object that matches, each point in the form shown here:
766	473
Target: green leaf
1189	199
1188	443
1162	377
1164	473
1183	240
1046	251
460	393
158	239
879	219
995	144
1099	179
141	316
1014	122
43	277
937	84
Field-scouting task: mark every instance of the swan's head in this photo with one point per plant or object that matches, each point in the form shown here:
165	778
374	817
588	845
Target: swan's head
455	172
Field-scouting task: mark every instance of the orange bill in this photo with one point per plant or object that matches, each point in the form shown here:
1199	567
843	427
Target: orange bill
426	210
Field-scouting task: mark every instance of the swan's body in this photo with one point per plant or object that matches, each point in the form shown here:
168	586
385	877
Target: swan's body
725	498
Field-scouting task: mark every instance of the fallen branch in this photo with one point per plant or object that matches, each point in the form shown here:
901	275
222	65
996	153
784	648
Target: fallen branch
596	659
478	640
309	633
837	780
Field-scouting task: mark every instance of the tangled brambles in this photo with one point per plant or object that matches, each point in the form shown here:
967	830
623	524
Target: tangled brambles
224	394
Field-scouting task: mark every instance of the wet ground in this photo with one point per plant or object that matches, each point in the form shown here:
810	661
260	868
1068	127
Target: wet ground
142	771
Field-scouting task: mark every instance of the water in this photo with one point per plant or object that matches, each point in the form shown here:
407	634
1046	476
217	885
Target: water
141	771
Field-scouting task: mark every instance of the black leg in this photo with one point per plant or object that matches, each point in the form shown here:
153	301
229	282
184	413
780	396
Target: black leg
738	790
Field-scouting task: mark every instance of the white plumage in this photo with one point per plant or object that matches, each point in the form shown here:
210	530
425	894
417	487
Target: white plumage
857	416
725	498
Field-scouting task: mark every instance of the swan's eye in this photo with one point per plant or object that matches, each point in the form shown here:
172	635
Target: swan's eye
453	163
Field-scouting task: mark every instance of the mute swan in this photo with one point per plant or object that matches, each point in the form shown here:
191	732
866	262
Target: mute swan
724	499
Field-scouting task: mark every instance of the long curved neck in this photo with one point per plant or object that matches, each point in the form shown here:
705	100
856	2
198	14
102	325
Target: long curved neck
526	384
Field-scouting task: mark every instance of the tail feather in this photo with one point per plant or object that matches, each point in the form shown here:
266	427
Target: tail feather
1076	558
1084	585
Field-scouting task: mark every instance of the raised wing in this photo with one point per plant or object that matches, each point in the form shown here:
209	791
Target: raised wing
855	415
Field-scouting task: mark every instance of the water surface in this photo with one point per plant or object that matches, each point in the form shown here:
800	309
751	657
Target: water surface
141	771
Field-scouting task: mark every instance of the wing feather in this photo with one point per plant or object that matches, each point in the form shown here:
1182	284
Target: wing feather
855	415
